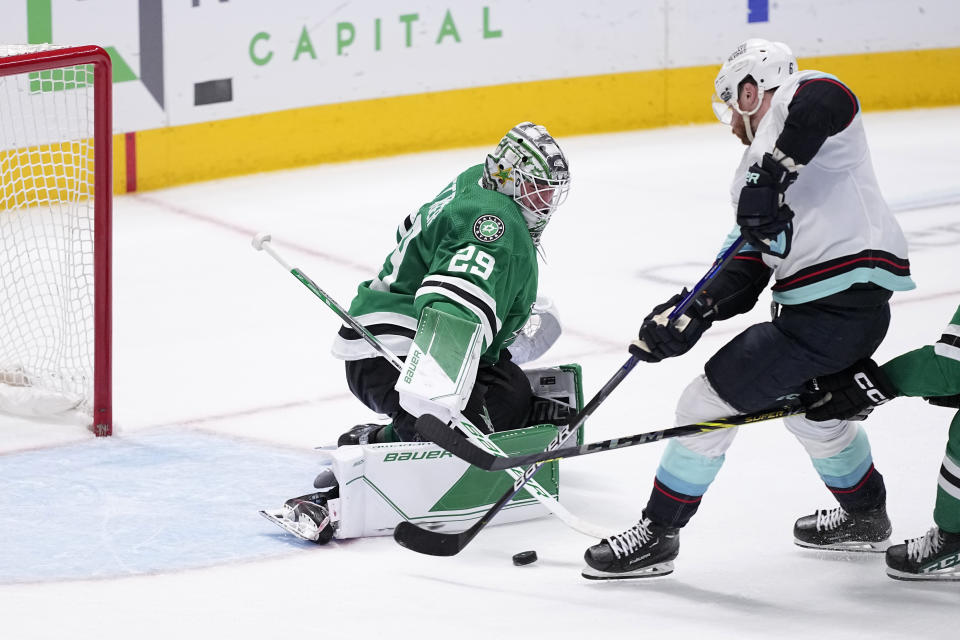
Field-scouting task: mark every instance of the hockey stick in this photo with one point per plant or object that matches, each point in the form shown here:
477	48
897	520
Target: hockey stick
437	543
463	450
456	444
718	266
261	242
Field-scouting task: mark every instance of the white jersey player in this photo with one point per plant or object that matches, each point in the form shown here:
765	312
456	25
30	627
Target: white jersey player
808	203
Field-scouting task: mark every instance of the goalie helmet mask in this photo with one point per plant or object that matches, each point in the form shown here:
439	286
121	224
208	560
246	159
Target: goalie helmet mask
768	64
529	167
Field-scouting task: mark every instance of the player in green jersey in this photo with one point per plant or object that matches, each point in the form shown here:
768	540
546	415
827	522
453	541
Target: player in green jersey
932	372
455	293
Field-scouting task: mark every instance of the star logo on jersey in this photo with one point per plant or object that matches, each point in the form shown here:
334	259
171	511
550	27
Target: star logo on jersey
488	228
503	175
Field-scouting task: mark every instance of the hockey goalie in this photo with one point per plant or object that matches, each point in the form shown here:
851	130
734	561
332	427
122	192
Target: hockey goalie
457	301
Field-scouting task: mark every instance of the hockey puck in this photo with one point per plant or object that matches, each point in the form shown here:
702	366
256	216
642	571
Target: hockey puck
524	557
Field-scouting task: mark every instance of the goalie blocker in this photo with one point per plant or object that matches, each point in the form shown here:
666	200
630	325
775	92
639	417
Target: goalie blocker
380	485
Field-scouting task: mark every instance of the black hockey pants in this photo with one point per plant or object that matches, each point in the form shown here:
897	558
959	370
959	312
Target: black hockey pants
772	360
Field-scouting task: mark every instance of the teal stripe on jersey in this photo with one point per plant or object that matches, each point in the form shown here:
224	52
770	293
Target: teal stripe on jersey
842	282
732	237
847	467
686	471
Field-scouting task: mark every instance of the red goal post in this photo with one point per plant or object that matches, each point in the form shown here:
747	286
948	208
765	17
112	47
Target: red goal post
55	231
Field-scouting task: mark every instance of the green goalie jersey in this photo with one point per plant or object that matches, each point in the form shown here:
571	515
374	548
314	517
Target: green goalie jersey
933	370
468	253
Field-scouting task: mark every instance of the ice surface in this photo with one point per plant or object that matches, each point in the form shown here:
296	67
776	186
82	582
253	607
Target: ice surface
224	382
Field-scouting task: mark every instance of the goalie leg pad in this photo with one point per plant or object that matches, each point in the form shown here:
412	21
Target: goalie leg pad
382	484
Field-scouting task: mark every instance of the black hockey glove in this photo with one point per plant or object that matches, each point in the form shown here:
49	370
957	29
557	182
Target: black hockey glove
666	339
850	394
761	213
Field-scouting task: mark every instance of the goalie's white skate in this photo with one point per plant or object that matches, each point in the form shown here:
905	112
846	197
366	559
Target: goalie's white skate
306	517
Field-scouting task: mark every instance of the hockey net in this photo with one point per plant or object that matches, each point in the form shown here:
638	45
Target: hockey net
55	229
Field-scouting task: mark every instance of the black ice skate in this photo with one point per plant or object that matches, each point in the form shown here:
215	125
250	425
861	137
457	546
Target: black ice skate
934	556
361	434
306	517
645	550
838	530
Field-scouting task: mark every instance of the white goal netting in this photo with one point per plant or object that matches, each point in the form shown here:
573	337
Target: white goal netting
47	227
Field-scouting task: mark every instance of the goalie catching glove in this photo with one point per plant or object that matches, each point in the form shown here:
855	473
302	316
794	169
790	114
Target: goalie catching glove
850	394
662	338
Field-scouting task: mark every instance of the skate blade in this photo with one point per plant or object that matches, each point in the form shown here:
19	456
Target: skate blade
653	571
856	547
276	517
952	575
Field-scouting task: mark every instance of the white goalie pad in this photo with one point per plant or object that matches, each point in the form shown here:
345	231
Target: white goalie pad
441	366
381	485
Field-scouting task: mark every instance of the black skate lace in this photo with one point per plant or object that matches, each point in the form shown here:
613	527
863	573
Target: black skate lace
631	539
828	519
925	546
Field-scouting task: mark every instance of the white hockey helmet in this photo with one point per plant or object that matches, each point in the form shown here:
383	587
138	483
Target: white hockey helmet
767	63
529	167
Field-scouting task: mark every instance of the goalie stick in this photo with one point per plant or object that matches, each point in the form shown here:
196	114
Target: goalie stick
261	242
438	432
437	543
